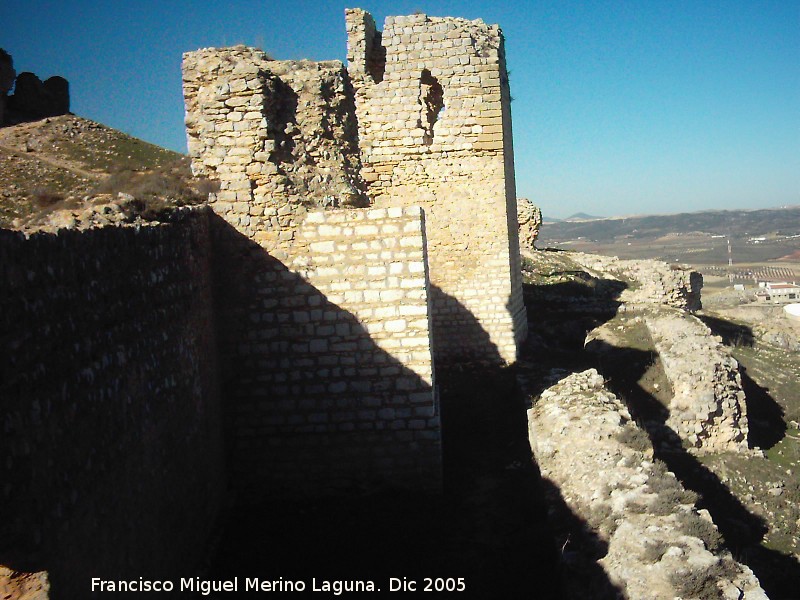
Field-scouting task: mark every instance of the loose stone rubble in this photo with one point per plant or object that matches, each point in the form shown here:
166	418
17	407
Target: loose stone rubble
708	407
24	586
650	539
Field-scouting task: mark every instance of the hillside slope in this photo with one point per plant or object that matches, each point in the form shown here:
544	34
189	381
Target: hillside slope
736	223
71	164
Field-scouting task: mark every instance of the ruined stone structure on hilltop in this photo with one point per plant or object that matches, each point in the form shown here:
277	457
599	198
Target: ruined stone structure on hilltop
32	99
434	120
529	218
340	292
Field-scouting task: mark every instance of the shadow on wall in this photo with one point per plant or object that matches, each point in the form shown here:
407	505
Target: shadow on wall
459	340
313	404
111	445
560	316
488	527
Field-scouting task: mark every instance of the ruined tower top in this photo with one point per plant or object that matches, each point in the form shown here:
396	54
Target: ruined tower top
449	71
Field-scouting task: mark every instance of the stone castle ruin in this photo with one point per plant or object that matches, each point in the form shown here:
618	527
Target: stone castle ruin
286	336
359	188
32	98
284	340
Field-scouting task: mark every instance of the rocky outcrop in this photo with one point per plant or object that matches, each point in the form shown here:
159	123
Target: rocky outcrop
643	528
708	405
529	218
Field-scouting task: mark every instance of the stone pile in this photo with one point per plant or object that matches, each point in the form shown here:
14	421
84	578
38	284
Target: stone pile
708	407
650	540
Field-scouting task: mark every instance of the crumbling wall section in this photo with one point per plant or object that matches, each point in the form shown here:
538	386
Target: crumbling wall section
279	136
529	221
654	281
112	447
433	108
708	407
327	356
323	307
643	530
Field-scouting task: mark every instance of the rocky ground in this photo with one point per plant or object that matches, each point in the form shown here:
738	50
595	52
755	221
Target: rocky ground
749	495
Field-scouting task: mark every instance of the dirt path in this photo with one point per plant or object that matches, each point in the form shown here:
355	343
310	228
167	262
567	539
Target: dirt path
70	166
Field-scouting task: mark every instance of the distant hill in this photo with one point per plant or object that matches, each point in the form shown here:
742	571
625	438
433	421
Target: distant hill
736	223
581	216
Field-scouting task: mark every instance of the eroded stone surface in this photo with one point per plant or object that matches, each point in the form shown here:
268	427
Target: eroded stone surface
656	282
708	407
650	540
529	218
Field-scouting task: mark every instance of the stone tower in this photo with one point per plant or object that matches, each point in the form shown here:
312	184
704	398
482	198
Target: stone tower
434	120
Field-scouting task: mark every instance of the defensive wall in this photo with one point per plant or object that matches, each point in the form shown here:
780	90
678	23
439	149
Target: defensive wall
111	438
286	337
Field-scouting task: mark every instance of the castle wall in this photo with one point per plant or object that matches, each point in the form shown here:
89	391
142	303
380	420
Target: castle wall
327	356
433	108
324	309
708	408
111	443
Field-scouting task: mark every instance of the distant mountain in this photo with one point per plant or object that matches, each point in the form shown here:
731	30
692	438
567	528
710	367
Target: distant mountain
581	216
735	223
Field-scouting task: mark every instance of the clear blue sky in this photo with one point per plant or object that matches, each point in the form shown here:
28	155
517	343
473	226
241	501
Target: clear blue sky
620	107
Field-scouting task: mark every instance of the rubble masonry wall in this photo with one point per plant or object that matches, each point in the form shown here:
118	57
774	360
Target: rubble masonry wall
708	407
598	468
433	108
111	413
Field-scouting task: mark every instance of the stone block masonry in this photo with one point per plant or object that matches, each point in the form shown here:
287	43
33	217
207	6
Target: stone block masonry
111	438
327	356
434	119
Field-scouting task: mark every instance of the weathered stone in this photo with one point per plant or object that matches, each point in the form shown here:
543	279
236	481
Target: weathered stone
601	463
